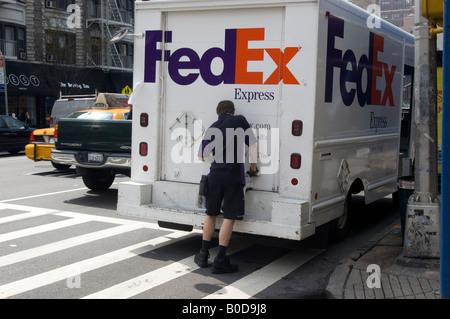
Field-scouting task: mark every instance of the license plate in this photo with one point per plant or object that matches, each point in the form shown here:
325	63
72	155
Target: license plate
49	139
95	157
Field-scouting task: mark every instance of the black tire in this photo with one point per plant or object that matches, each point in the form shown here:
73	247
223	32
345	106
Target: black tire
339	227
98	180
60	166
395	200
14	151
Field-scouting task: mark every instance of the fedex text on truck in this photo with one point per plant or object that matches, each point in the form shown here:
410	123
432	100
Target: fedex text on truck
234	56
351	70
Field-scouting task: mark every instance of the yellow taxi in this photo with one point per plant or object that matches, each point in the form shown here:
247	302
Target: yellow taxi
42	141
41	144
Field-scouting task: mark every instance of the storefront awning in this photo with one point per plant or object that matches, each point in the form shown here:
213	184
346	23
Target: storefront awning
25	78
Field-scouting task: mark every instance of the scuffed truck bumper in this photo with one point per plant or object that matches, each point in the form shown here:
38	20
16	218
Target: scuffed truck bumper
79	158
176	203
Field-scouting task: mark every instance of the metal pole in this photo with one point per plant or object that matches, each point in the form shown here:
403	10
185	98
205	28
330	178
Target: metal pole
6	85
445	190
422	239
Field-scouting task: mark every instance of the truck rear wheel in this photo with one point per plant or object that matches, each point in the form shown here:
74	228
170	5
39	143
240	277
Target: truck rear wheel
339	227
98	180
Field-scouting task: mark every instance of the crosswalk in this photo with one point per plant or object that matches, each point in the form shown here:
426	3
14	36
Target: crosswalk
46	253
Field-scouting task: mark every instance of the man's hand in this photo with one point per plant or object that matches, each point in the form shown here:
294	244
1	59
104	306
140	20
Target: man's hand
208	159
253	172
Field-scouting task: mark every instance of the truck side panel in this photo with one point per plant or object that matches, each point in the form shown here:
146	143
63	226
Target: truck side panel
359	101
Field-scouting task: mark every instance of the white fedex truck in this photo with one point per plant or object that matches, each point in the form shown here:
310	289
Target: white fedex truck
321	82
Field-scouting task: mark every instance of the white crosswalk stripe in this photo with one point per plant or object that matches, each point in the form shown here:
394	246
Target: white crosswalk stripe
17	217
64	244
157	277
66	272
261	279
245	287
42	229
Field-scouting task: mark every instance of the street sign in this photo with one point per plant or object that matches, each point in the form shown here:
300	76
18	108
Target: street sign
127	90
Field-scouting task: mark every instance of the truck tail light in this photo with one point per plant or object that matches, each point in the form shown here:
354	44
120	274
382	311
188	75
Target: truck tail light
55	134
143	119
297	127
143	149
296	160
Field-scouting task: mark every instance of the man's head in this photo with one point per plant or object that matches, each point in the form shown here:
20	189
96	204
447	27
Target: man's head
225	107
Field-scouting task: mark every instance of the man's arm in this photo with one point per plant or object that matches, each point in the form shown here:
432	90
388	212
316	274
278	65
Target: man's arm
201	152
253	157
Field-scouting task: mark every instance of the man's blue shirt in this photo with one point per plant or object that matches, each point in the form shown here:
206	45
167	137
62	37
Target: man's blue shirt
225	141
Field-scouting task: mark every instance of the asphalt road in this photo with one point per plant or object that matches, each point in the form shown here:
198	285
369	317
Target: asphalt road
59	240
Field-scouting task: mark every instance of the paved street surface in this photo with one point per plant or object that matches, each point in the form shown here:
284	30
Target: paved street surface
60	240
24	245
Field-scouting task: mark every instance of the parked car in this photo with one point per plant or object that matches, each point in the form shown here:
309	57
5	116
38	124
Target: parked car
98	143
66	105
14	134
42	141
40	146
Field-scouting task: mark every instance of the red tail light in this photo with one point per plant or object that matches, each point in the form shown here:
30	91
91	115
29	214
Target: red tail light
297	128
143	149
296	160
55	134
32	138
50	120
144	119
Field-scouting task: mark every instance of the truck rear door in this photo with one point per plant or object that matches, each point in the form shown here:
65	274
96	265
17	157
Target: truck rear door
225	57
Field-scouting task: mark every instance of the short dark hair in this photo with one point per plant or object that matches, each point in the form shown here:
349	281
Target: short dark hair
225	107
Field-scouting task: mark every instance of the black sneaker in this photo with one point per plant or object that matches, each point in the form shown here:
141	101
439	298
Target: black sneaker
201	259
223	265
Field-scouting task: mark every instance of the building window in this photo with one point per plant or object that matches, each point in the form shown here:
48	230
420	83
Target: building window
58	4
21	39
12	40
385	5
60	47
63	4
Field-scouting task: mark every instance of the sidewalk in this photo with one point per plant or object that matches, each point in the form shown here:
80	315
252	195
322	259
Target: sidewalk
400	277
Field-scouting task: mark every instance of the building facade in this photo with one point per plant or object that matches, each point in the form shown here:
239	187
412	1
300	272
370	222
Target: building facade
62	47
397	12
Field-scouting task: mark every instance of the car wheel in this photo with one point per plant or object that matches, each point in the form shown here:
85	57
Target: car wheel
98	180
14	152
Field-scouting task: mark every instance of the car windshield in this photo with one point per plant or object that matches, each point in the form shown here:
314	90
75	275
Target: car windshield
92	115
13	123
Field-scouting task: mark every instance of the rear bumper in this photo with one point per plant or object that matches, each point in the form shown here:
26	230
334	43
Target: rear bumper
39	151
79	158
265	214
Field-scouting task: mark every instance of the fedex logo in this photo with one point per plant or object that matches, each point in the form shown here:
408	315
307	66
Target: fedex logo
351	70
235	56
